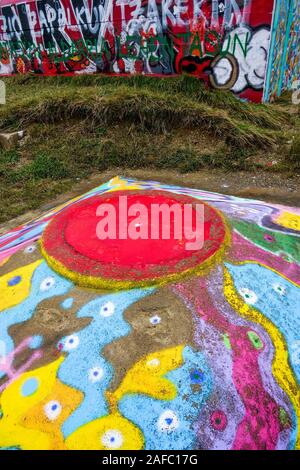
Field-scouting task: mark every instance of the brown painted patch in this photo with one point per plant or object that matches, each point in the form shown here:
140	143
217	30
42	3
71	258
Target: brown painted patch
21	258
175	327
51	321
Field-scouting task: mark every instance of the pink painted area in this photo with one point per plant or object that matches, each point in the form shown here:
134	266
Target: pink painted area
242	250
291	210
260	427
7	367
7	253
4	255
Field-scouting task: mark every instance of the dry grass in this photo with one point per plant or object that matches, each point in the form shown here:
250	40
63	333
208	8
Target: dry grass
151	110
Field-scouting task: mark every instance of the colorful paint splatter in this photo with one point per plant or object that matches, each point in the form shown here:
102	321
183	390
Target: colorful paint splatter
283	70
207	347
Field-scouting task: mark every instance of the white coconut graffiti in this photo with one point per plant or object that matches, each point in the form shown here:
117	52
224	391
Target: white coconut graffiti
251	52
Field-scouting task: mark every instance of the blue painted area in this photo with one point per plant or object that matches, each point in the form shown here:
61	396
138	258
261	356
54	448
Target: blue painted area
10	448
67	303
45	283
36	342
279	301
14	281
277	298
84	349
32	233
197	376
29	387
168	424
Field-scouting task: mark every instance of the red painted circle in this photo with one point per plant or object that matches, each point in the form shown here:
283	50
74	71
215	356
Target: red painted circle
71	238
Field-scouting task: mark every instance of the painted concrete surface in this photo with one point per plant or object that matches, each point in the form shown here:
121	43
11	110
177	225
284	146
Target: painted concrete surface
207	348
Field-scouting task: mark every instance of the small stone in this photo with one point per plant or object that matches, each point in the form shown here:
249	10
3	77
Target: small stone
10	140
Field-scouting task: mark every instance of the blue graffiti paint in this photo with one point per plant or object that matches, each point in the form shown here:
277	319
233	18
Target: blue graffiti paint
45	284
67	303
84	349
29	387
168	424
36	342
276	297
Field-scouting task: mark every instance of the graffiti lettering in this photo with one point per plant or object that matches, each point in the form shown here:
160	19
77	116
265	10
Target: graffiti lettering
160	37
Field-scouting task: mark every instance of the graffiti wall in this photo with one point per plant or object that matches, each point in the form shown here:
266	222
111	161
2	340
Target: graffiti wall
211	355
223	42
284	63
292	55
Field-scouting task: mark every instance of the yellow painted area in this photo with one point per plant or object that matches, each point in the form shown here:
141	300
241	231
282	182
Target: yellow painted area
281	367
96	435
119	184
146	376
13	435
289	220
13	295
36	418
15	403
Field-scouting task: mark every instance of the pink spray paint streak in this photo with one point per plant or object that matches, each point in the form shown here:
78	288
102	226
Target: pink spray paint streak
6	362
242	250
260	427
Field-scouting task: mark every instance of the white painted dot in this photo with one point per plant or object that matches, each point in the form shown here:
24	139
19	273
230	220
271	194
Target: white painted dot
280	289
47	283
107	309
96	374
30	249
52	410
248	295
71	342
153	362
155	320
112	439
168	421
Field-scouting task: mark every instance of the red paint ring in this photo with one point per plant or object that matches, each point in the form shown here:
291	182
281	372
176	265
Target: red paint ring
71	246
